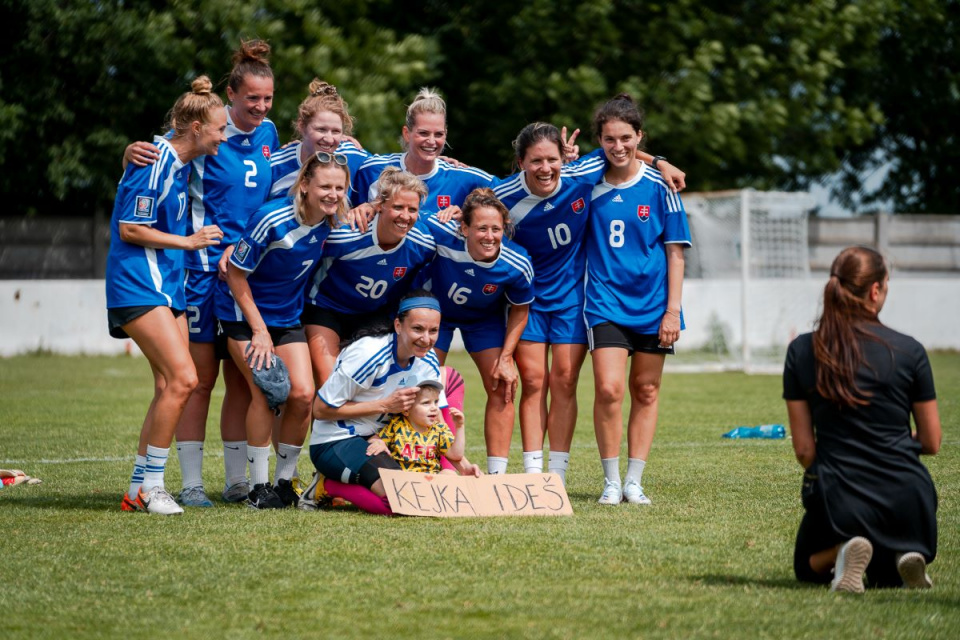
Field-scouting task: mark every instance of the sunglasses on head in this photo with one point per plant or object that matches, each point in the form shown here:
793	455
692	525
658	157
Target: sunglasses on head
326	158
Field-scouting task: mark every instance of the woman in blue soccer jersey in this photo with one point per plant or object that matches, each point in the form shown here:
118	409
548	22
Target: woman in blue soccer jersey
424	136
363	274
144	280
323	124
375	376
636	235
485	286
268	273
224	190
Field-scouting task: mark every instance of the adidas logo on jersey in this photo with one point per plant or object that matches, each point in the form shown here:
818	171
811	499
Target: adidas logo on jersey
245	143
469	272
313	240
617	198
383	262
547	207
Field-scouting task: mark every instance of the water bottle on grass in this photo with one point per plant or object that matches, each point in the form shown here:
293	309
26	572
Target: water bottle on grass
772	431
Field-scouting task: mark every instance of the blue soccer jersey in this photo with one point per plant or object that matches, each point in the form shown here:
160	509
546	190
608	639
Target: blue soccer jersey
286	163
279	255
552	230
446	185
630	224
468	290
227	188
368	370
357	276
155	195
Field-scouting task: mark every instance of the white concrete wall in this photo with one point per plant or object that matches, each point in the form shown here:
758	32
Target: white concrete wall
69	316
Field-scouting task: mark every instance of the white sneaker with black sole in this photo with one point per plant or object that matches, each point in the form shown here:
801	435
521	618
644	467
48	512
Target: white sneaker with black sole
852	561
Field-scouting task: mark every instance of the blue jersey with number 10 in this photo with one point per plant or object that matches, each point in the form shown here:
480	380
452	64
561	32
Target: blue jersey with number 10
279	254
471	291
154	195
227	188
357	276
630	226
552	229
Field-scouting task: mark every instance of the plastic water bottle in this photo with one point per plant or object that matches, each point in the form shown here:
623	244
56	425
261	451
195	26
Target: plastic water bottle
772	431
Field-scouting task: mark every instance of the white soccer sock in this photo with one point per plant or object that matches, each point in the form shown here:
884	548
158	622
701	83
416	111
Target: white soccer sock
559	463
496	465
235	461
139	465
533	461
259	459
611	468
287	455
156	463
190	454
635	469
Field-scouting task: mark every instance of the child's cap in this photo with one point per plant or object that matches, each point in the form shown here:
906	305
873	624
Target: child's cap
427	382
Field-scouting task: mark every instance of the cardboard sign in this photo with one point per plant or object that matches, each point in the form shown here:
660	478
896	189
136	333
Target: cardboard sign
452	496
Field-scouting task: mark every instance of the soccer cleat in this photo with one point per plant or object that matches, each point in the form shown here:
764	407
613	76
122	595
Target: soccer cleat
314	495
287	492
158	501
264	497
913	571
633	492
237	492
131	504
612	494
194	497
852	561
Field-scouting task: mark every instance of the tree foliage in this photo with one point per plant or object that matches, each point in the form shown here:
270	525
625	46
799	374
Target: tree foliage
772	94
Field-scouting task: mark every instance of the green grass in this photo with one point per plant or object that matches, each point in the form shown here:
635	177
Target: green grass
711	558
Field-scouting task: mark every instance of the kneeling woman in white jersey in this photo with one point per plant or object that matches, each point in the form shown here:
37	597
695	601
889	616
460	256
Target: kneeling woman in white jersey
485	286
374	377
268	273
636	235
145	295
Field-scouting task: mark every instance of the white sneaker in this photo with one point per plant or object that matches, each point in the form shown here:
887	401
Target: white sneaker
633	492
852	561
612	493
913	571
158	501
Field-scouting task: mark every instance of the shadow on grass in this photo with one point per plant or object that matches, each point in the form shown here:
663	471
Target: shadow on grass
69	502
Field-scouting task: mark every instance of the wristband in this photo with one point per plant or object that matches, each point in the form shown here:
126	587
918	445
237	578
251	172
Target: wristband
656	162
676	315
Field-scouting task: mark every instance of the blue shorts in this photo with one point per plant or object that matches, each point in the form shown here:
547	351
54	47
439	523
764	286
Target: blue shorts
566	326
477	336
347	461
201	321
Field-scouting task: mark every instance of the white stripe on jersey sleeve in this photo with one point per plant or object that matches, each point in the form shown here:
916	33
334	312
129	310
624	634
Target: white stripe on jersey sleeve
273	218
374	161
284	155
517	261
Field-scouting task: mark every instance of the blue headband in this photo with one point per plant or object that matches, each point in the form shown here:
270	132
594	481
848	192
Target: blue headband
419	303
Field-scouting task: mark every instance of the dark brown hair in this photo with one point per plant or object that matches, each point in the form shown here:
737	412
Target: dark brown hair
532	134
252	58
485	197
620	107
842	324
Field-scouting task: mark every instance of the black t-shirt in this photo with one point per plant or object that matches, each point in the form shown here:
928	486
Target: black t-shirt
868	467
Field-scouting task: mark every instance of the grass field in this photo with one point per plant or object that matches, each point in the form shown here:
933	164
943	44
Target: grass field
711	558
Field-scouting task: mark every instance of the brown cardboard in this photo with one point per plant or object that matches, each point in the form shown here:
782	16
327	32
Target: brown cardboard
452	496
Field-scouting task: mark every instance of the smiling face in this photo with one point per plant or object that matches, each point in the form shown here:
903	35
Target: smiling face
251	102
484	234
619	141
397	214
212	133
541	166
323	132
426	139
323	192
425	411
416	333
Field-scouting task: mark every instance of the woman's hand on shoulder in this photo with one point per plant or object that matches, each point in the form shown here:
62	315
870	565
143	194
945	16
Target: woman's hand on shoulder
676	179
140	154
360	216
450	213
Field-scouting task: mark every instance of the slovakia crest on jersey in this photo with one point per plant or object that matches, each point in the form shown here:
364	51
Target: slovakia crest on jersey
443	201
242	250
578	205
399	272
489	289
643	212
266	152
